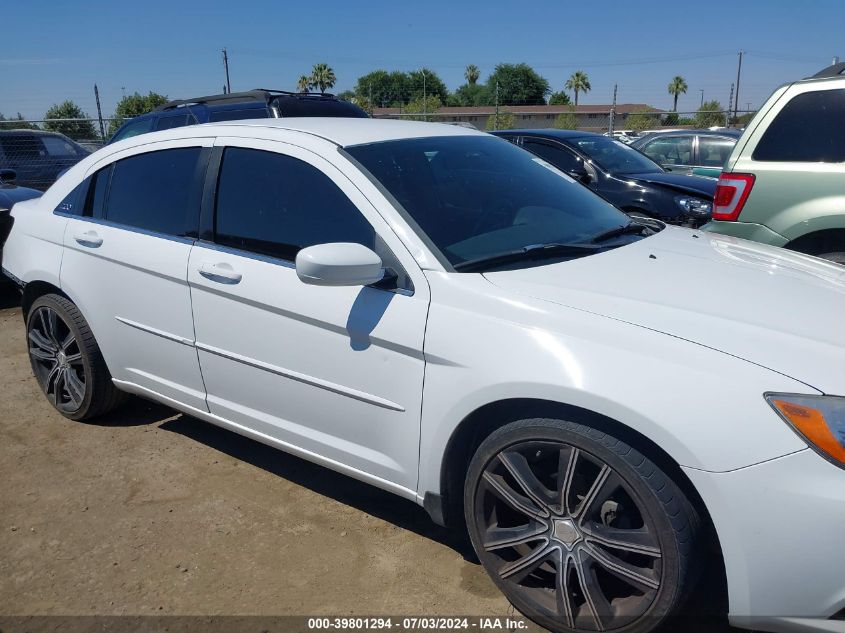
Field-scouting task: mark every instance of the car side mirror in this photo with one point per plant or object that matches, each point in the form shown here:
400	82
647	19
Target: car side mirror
581	175
8	176
339	264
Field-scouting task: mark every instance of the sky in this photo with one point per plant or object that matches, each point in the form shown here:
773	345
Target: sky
174	47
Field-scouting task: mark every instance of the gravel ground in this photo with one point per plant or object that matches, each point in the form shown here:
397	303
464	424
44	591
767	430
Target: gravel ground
151	512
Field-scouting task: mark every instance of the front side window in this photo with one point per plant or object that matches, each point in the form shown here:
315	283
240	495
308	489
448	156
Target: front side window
157	191
809	129
275	205
614	156
477	196
560	158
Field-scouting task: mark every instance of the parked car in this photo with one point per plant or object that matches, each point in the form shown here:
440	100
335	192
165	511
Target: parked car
38	157
621	175
784	183
254	104
439	313
10	193
697	152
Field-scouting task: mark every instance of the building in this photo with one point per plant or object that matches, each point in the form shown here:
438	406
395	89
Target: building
595	118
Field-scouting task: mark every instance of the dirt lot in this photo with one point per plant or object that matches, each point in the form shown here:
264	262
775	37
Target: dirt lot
151	512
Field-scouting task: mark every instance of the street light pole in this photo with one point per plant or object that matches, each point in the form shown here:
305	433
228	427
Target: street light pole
701	90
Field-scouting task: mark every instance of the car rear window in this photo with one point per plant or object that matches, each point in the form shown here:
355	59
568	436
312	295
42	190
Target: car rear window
809	129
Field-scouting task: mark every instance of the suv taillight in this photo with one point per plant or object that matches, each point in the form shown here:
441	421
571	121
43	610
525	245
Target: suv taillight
731	193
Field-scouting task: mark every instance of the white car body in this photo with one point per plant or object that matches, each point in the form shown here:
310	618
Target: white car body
676	337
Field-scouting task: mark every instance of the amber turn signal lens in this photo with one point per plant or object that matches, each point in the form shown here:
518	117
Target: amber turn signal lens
811	422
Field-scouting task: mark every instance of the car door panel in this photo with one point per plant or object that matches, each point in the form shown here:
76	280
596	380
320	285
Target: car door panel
334	371
139	307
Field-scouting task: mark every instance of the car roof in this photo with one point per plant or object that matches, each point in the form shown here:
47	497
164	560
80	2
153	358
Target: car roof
546	132
699	132
23	131
340	131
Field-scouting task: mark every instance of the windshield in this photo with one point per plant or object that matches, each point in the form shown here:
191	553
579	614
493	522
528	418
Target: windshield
615	157
475	197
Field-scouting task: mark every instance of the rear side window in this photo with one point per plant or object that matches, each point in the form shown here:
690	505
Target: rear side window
58	147
713	151
238	115
157	191
809	129
22	147
275	205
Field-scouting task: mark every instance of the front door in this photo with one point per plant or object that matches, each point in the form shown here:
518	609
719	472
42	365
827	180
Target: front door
333	373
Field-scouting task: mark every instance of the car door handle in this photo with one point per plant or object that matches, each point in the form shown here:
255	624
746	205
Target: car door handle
221	273
89	238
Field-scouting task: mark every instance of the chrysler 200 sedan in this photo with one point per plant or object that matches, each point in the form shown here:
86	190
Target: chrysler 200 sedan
606	405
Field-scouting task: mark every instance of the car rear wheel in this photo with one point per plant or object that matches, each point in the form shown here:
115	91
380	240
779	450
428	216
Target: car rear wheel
67	361
578	529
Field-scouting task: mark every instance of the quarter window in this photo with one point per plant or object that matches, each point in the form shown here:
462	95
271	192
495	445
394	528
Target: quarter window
275	205
95	200
156	191
809	129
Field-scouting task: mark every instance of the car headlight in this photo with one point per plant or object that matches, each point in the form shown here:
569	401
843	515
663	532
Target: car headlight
694	206
820	420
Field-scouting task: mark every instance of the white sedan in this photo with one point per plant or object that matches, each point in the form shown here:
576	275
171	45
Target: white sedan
607	405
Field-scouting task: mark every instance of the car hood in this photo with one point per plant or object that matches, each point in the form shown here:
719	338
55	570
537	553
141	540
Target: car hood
772	307
687	184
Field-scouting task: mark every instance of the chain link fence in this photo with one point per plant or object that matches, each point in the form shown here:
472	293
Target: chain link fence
40	150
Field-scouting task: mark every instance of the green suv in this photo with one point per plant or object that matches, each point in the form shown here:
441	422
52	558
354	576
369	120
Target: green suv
784	182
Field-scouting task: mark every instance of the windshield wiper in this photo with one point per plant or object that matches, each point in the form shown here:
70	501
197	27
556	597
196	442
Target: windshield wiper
532	251
631	227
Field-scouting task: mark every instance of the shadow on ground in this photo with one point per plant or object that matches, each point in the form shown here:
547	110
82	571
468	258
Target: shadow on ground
10	297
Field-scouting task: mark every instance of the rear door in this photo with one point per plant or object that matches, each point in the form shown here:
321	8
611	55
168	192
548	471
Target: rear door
125	264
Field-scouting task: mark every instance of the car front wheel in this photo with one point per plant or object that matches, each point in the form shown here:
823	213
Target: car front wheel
578	529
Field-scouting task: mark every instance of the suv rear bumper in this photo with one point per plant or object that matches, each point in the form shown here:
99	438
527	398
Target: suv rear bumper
746	231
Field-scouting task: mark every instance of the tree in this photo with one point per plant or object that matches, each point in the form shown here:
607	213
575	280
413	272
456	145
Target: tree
422	109
579	82
425	81
710	114
16	123
322	77
134	105
677	86
77	130
642	120
559	98
471	74
519	84
303	83
382	89
469	95
504	121
567	120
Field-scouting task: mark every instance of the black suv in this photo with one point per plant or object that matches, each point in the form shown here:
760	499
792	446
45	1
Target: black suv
254	104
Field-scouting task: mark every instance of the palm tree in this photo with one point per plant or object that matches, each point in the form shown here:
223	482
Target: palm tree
322	77
578	82
303	84
472	74
677	86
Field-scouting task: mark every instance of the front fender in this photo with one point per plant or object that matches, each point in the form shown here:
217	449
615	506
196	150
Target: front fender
701	406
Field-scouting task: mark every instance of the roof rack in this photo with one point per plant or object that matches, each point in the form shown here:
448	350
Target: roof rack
256	94
835	70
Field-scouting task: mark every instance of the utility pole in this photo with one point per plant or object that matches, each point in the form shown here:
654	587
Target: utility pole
497	105
738	71
728	110
370	99
100	113
612	112
701	90
425	108
226	66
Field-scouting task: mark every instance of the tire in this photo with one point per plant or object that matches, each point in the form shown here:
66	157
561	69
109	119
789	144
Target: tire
67	361
624	534
836	257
